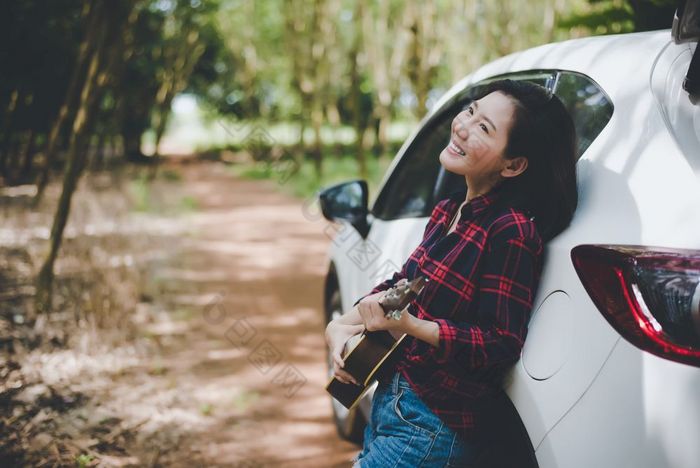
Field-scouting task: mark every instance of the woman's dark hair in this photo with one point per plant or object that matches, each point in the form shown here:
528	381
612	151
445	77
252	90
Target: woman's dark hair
543	132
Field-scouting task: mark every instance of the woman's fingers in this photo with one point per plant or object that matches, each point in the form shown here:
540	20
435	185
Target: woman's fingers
343	376
337	359
338	372
377	309
372	315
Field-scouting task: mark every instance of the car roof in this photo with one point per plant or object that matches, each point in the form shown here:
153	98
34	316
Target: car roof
612	61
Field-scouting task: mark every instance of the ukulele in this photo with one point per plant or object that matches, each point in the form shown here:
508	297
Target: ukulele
370	353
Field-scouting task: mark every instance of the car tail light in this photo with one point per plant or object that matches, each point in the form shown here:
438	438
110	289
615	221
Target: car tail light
651	296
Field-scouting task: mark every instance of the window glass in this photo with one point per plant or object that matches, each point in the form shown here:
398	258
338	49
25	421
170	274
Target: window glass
588	105
408	193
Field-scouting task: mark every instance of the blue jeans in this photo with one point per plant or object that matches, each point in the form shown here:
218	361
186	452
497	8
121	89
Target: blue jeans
404	432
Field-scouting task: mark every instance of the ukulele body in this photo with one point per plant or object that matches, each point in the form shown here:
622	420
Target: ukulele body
371	358
373	353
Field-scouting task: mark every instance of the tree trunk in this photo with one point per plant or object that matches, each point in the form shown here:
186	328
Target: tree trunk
7	131
110	23
386	59
359	121
317	151
175	82
381	143
301	143
92	11
27	157
13	156
98	162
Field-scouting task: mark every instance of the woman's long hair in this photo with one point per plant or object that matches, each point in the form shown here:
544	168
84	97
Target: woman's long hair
543	132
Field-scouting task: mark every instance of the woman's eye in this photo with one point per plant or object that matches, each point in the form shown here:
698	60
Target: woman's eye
470	110
483	127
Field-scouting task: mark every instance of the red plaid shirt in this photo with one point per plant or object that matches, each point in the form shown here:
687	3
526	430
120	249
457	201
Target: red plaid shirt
482	281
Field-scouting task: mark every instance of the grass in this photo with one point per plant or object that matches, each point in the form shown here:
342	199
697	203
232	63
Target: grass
145	200
141	193
170	175
302	181
83	460
244	400
188	204
206	409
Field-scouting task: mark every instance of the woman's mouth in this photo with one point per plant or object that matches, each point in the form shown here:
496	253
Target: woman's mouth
453	148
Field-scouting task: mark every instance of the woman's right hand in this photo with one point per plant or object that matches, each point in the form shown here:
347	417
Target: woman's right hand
337	335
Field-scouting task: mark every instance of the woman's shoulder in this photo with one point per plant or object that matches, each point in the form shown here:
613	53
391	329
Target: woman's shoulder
512	223
440	209
442	204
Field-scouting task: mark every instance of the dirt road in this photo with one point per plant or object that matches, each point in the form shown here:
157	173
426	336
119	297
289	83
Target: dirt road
247	354
218	283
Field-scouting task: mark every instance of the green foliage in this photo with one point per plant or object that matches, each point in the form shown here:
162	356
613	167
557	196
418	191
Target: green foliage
144	66
140	191
332	63
170	175
144	199
244	400
621	16
243	73
206	409
259	171
39	49
83	460
304	182
188	204
161	44
606	18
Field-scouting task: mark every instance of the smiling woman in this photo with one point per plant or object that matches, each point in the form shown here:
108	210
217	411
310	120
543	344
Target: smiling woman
515	146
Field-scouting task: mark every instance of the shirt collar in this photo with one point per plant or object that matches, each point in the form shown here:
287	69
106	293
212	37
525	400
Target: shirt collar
476	205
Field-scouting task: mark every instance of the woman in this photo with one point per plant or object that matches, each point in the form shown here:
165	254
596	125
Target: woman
482	251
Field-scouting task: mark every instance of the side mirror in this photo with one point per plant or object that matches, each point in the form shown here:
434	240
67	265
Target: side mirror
347	201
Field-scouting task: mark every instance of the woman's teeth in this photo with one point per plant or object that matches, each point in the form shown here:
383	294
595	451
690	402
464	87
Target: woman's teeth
456	149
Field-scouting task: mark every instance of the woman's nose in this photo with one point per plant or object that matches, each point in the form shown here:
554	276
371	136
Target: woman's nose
461	129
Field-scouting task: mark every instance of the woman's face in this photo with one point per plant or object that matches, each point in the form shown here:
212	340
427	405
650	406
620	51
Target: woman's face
478	140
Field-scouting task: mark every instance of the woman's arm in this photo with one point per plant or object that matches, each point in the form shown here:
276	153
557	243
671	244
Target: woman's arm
425	330
507	286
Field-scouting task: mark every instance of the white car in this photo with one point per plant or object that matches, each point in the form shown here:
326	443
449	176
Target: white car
610	372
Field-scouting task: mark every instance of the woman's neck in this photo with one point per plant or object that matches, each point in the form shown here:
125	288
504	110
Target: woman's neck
478	188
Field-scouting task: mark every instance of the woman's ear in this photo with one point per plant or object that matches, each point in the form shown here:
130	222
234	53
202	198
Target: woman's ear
514	167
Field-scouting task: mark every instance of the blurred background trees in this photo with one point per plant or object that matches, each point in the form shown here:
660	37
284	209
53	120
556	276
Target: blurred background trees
86	82
312	63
